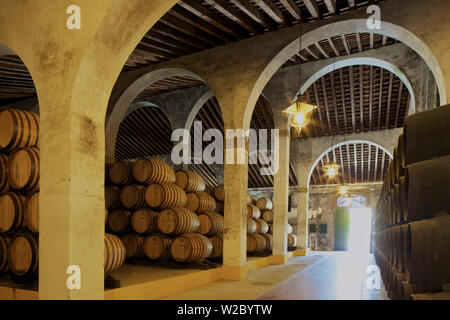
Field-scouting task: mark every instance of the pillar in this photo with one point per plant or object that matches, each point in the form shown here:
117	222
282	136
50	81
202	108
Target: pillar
281	198
302	220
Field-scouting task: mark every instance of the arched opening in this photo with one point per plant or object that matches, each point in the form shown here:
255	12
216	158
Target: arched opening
19	173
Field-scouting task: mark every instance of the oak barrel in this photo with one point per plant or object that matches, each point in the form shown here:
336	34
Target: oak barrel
267	216
189	181
271	228
264	204
261	226
199	201
132	196
120	172
4	185
11	212
177	221
210	223
114	254
157	246
190	247
292	240
112	197
163	195
289	229
427	188
251	226
4	243
23	169
269	241
428	252
23	255
426	135
217	242
255	242
31	212
149	170
253	212
219	193
119	221
144	221
18	129
134	245
249	199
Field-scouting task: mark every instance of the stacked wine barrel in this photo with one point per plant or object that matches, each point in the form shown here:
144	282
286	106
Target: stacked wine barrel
161	214
19	192
412	224
258	225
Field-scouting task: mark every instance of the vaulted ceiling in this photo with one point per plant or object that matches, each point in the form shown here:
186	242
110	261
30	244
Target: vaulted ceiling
359	163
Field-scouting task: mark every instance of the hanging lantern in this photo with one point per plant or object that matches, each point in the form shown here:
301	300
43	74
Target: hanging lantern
299	114
332	169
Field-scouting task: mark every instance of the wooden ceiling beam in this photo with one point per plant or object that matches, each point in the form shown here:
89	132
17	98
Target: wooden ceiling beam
361	96
235	15
312	53
369	164
336	52
345	42
254	13
352	96
322	51
347	146
380	99
341	80
331	6
355	158
333	93
312	7
358	41
399	102
370	97
383	160
375	172
318	107
327	109
292	8
388	112
272	10
351	4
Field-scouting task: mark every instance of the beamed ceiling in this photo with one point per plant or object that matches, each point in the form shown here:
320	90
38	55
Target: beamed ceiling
196	25
359	163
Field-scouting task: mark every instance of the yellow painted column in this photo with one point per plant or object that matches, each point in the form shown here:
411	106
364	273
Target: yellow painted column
281	196
302	220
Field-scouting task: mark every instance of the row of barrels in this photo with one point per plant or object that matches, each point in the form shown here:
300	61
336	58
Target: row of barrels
414	257
148	171
19	212
171	221
157	195
411	245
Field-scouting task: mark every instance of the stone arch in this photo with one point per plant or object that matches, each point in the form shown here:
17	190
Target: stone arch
344	27
384	148
363	61
129	94
196	108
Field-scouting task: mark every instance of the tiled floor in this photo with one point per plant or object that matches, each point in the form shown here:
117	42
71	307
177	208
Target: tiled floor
336	276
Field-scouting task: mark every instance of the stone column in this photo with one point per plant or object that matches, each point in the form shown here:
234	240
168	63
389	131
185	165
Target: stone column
302	221
281	196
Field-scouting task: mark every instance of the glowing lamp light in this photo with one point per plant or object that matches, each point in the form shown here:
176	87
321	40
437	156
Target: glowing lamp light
332	169
299	113
343	191
331	172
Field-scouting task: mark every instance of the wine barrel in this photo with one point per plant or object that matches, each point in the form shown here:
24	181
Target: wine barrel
261	226
269	241
148	171
157	247
163	195
210	223
189	181
220	207
428	252
132	196
426	135
217	242
23	255
112	197
427	188
400	169
219	193
31	212
119	221
251	226
289	229
4	243
271	228
114	254
199	201
292	240
264	204
12	212
255	243
134	245
18	129
177	221
190	247
106	215
120	172
23	169
267	216
144	221
253	212
400	200
4	185
249	199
